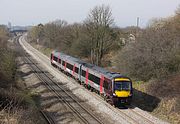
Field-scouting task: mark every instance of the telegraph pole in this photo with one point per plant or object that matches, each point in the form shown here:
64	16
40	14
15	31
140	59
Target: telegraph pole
9	26
137	25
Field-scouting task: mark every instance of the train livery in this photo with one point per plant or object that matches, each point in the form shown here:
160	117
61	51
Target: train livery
114	87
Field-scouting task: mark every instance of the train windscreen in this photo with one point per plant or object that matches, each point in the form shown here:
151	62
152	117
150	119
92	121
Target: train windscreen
122	85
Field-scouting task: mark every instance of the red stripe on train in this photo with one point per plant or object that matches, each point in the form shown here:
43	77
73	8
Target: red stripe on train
74	69
58	57
87	73
65	65
52	58
101	83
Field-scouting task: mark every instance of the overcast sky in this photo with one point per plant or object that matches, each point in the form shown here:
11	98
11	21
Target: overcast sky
125	12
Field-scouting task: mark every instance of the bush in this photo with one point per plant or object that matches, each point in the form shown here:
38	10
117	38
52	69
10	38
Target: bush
155	54
7	66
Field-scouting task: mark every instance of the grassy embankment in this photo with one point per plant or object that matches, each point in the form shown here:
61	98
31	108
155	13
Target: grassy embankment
17	104
161	98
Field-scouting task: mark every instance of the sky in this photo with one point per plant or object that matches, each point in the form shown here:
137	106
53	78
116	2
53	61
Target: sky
125	12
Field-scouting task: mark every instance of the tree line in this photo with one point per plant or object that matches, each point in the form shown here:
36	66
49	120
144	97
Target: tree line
143	54
150	55
156	53
92	39
7	57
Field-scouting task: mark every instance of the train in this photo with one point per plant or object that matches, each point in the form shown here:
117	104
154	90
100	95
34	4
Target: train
114	87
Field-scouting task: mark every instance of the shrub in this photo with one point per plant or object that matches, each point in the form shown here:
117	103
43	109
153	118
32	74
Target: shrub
155	54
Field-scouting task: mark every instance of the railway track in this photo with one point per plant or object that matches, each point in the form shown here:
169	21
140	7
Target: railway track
146	119
136	117
48	118
83	114
127	116
131	116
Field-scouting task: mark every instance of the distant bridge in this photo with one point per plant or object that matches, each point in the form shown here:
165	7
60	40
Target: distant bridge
18	30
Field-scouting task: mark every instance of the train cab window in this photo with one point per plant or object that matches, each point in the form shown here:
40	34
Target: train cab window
76	69
106	83
122	85
110	87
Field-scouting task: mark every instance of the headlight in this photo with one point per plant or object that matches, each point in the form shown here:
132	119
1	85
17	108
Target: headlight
114	94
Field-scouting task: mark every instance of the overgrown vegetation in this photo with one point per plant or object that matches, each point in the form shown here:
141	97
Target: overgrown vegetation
156	52
150	55
16	104
155	58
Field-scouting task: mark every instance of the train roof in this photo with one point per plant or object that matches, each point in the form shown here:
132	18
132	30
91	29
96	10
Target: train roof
103	71
95	68
65	57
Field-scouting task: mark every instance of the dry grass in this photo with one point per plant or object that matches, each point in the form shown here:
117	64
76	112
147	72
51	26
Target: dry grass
18	107
168	87
167	90
140	85
9	116
167	110
16	104
20	116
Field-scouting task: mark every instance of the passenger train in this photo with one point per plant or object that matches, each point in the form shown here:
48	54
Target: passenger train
114	87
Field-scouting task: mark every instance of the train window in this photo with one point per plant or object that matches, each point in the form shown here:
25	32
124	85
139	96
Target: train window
90	77
83	73
94	78
106	83
76	69
69	66
55	58
109	86
59	60
63	63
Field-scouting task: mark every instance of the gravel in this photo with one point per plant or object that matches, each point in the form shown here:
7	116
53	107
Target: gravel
46	99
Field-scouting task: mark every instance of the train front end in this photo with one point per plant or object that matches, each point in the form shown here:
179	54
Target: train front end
122	90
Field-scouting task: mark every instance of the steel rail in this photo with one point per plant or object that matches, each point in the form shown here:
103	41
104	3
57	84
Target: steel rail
149	121
47	117
59	95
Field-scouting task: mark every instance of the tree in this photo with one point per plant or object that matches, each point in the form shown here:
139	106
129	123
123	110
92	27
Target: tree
37	33
4	35
178	10
156	54
98	26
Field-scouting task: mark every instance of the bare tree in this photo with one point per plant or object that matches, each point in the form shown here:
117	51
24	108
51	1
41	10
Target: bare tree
3	36
156	52
178	10
98	28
